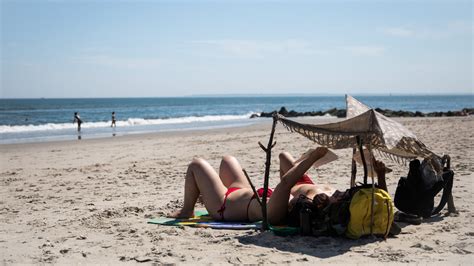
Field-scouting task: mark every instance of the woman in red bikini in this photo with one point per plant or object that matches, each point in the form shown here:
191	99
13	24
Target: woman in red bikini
228	195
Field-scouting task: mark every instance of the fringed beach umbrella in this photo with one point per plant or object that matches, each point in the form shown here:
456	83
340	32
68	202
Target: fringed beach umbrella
365	126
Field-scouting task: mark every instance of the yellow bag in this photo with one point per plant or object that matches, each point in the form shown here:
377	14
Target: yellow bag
360	210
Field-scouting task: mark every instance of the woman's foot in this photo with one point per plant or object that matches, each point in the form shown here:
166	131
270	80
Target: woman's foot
181	214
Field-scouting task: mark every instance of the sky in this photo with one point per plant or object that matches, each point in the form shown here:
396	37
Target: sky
180	48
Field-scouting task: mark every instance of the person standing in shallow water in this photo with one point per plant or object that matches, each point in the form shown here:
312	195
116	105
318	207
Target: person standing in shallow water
113	120
77	119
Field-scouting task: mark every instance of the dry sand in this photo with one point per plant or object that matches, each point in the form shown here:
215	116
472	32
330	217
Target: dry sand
88	201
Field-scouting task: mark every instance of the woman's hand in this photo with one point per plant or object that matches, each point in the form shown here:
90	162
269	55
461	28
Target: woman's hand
379	167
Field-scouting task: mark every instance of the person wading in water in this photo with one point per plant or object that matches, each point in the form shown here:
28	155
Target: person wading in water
77	119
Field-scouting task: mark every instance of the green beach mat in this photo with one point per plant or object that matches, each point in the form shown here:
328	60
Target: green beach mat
283	230
203	220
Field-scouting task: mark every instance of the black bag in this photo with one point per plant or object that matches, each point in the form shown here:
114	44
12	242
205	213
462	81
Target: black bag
323	215
415	193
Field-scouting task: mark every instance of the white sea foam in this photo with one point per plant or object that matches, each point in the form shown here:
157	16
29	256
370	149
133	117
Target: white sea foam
126	123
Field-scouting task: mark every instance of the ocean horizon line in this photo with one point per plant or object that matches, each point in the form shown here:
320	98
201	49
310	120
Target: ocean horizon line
247	95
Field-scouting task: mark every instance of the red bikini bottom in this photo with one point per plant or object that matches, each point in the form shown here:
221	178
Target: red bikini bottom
232	189
305	179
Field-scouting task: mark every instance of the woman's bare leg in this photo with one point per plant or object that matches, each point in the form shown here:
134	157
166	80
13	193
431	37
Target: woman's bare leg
231	173
278	203
202	179
286	163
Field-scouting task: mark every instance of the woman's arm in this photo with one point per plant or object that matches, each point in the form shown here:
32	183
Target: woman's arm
278	203
294	174
380	170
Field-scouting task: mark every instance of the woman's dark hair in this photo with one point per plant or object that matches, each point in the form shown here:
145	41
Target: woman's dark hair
293	217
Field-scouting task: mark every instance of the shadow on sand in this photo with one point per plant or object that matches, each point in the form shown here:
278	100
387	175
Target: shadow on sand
320	247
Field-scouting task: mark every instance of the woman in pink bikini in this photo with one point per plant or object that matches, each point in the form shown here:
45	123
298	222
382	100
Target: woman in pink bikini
228	195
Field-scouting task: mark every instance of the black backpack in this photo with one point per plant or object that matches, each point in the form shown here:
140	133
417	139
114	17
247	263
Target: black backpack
415	193
323	215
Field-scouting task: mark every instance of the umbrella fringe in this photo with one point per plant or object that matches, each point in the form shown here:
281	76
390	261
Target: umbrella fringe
336	141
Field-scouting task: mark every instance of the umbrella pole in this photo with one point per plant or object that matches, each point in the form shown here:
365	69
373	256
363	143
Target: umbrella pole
372	203
268	151
354	168
359	141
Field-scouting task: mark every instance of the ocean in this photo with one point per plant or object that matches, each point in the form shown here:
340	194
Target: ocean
36	120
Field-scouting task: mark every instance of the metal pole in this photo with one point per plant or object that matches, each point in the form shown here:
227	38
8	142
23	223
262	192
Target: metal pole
362	157
354	168
372	203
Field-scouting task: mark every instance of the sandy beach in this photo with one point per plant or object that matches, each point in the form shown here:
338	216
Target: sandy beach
89	201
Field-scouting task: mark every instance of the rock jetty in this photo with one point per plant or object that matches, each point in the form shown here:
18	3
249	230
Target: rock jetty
387	112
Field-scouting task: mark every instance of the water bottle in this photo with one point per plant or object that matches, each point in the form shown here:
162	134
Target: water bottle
305	222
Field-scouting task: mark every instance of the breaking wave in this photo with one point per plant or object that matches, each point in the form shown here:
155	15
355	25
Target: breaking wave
125	123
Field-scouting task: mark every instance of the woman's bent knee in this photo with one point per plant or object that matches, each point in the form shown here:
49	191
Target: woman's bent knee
285	156
198	162
228	159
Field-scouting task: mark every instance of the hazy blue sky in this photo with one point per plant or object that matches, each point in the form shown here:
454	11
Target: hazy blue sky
176	48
